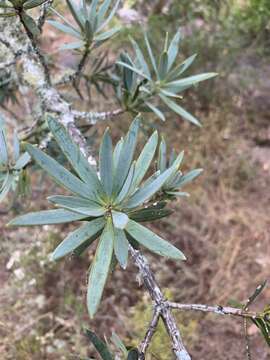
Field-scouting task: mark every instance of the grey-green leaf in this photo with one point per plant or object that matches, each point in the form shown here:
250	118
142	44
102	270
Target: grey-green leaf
22	161
179	110
191	80
100	269
121	247
106	163
59	173
72	152
46	217
65	28
126	155
120	219
77	204
153	242
173	49
78	237
144	160
3	146
189	177
155	110
151	55
100	346
149	189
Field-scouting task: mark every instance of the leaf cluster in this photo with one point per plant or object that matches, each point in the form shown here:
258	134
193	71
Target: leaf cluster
147	78
112	202
12	174
90	23
20	8
104	350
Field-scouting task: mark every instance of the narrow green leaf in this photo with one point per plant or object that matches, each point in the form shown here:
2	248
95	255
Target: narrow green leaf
178	193
155	110
72	46
109	18
120	220
173	49
65	28
73	154
77	15
148	190
140	58
163	65
100	345
133	354
22	161
152	241
162	156
119	344
78	237
46	217
59	173
182	67
3	145
130	67
127	185
179	110
121	247
189	177
104	7
6	186
126	155
77	204
108	34
30	4
191	80
100	269
151	55
16	146
149	214
116	154
106	163
30	24
144	160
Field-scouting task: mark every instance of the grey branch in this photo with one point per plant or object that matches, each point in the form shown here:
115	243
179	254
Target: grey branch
160	302
93	117
220	310
149	333
43	14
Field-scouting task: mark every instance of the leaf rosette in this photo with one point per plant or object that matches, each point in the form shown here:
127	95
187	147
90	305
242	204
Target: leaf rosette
111	202
12	173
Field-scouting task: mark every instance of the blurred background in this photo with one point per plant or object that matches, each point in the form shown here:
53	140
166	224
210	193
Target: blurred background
223	228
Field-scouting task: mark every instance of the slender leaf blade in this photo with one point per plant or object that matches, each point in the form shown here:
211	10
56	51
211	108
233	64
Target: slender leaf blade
78	237
46	217
153	242
100	269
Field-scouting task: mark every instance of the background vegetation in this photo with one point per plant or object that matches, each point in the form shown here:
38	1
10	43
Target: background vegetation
223	228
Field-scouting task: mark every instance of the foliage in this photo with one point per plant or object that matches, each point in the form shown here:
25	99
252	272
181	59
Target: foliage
104	348
20	7
112	204
12	174
147	79
91	22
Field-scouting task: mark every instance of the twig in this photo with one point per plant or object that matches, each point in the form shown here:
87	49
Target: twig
75	77
43	13
94	117
220	310
159	300
149	333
